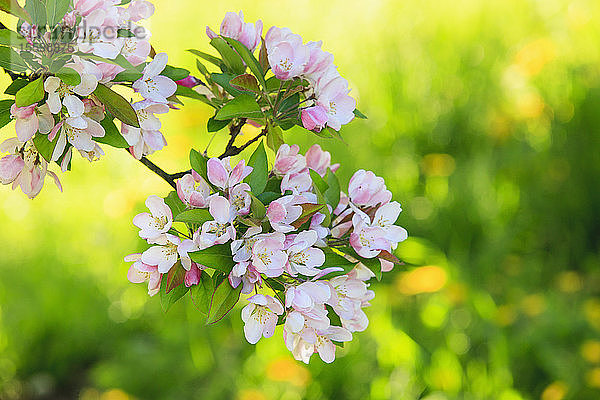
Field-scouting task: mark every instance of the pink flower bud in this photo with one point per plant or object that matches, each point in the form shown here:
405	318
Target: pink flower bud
10	167
190	82
314	118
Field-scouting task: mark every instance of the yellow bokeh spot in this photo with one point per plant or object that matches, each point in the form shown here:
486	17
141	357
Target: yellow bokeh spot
530	105
505	315
533	305
591	309
593	378
555	391
288	370
115	394
426	279
251	394
590	350
438	164
569	282
534	56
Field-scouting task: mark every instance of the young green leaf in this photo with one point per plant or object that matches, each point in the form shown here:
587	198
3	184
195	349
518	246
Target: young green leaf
245	82
5	116
11	39
202	293
332	194
212	59
243	106
175	277
231	59
308	210
11	60
56	10
318	184
15	86
257	207
267	197
12	7
69	76
260	173
318	181
217	257
198	163
112	136
194	216
215	125
223	81
192	94
37	10
175	73
44	146
358	114
174	203
223	300
274	138
167	299
32	93
249	59
117	105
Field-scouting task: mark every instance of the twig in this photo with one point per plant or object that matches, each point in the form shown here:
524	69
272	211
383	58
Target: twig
232	150
169	178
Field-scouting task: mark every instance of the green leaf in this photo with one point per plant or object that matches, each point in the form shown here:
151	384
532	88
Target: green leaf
32	93
263	59
217	257
274	138
215	125
372	263
336	259
223	300
69	76
175	73
12	7
267	197
12	39
117	105
273	84
212	59
192	94
125	33
243	106
332	194
194	216
174	277
17	85
334	319
202	293
319	186
168	299
11	60
56	10
231	59
112	136
257	207
202	69
245	82
174	203
260	173
5	116
127	76
198	163
358	114
250	61
318	181
37	10
44	146
223	81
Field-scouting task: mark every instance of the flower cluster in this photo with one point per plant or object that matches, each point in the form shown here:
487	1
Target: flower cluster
287	234
70	105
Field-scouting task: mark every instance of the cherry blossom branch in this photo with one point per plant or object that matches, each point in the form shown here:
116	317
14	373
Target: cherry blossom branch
231	150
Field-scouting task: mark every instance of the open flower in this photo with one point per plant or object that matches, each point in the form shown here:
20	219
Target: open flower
220	230
152	85
164	255
367	189
268	256
302	257
245	273
339	106
147	138
155	224
140	272
287	56
288	161
284	211
260	317
318	61
193	190
239	197
27	121
221	175
79	132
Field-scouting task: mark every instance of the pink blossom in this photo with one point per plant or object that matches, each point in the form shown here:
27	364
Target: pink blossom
284	211
27	121
287	56
79	132
367	189
164	255
297	183
242	248
370	238
70	19
135	50
10	168
109	71
192	277
314	118
302	257
319	60
233	26
220	230
347	299
302	349
190	81
147	138
319	160
140	9
140	272
239	197
221	175
245	273
154	225
288	161
193	190
268	256
152	85
260	317
333	97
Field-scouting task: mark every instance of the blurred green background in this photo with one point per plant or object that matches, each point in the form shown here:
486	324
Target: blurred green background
484	119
